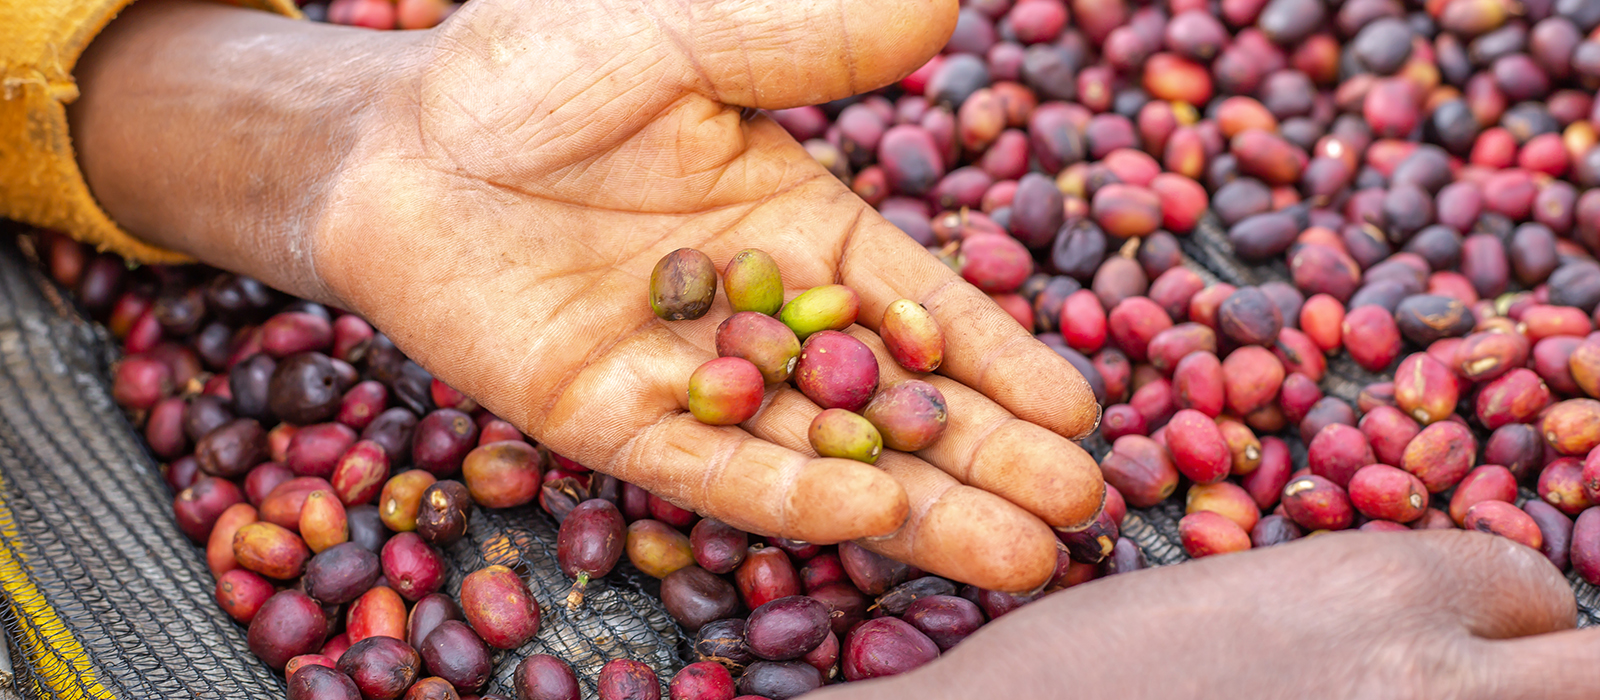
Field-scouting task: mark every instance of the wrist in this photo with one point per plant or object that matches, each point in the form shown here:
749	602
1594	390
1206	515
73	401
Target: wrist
219	132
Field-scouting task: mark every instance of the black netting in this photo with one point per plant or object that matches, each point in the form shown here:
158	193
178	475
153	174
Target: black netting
105	598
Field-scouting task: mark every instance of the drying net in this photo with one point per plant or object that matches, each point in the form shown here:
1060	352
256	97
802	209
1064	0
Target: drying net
107	599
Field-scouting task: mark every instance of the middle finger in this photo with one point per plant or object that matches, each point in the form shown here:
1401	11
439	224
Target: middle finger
951	529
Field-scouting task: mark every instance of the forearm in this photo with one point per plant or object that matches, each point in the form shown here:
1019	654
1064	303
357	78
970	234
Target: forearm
217	131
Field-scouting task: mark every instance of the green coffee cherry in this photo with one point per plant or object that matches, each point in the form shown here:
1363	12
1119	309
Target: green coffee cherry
830	307
840	433
752	283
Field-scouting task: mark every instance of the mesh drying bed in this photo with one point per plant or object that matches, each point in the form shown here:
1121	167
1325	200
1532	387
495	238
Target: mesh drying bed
106	599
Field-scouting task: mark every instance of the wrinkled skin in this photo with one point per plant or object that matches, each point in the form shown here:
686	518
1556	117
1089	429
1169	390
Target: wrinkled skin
494	193
1369	616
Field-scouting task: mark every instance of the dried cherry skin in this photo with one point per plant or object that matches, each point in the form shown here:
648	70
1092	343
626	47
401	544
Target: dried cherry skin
444	512
305	388
723	641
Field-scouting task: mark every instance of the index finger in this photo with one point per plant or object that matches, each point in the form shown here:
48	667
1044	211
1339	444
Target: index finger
1524	594
1553	666
985	348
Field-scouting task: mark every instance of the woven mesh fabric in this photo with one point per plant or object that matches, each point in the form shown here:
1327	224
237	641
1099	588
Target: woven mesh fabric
107	599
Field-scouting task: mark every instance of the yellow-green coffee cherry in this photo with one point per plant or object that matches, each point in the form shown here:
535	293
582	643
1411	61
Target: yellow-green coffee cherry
830	307
840	433
752	283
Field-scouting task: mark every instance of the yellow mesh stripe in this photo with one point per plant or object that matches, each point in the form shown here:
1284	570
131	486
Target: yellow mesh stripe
64	668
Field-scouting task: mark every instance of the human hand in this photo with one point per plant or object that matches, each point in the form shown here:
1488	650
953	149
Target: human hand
512	177
1369	616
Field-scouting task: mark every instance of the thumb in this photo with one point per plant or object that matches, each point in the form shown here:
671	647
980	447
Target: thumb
776	55
1554	666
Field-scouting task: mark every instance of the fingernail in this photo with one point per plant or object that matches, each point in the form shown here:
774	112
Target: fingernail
1099	413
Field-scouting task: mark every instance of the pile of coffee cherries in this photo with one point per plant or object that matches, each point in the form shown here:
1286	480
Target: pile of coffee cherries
319	473
759	345
1418	180
292	441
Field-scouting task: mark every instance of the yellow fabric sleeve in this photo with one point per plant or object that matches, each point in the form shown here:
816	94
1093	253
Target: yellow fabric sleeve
40	183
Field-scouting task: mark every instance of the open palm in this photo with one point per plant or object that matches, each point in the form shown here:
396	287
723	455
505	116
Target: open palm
502	225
